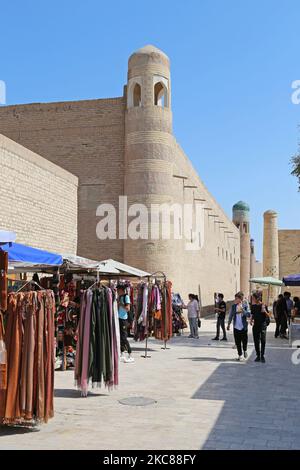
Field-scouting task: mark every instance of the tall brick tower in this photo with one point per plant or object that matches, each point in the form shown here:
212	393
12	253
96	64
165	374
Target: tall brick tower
148	151
271	250
253	258
241	218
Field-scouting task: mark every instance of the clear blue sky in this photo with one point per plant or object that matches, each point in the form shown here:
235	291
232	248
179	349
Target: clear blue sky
232	62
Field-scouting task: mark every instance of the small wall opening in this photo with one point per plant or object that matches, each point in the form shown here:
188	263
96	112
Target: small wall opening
134	98
160	95
137	95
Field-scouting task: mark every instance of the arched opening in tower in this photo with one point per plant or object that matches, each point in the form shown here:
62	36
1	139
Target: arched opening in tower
137	95
160	95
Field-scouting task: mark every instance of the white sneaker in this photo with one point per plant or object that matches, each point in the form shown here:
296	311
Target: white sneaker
240	358
129	359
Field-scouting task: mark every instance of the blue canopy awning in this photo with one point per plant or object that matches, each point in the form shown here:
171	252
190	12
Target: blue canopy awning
292	280
26	255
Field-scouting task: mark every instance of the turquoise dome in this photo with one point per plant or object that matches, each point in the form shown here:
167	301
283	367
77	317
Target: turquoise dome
241	206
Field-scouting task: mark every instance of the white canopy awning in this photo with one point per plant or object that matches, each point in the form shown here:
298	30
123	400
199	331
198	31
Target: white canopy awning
74	262
124	268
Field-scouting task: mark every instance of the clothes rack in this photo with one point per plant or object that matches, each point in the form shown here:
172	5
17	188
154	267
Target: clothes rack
156	276
30	282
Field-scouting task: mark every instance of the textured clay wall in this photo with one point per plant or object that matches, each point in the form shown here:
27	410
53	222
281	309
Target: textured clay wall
289	248
38	200
87	139
216	267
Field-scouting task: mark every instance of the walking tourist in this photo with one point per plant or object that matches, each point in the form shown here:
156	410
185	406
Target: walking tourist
123	309
193	315
281	317
220	310
259	320
296	309
289	303
245	305
239	314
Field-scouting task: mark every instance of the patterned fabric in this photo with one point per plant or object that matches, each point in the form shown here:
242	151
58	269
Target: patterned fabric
97	358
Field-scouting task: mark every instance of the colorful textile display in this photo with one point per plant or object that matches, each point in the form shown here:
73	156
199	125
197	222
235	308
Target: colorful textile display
29	340
98	346
163	326
141	324
178	320
154	311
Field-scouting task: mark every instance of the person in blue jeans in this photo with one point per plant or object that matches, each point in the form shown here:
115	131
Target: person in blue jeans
239	315
123	309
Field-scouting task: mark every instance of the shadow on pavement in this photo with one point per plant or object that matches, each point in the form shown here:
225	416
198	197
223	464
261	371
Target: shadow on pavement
207	359
260	402
142	349
70	393
11	430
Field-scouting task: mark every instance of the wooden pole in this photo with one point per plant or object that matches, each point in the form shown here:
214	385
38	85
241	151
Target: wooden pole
3	280
269	288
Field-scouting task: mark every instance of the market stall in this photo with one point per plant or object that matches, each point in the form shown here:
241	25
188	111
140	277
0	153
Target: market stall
267	281
26	394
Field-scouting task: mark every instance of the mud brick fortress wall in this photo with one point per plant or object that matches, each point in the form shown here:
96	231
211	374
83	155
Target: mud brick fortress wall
85	138
38	200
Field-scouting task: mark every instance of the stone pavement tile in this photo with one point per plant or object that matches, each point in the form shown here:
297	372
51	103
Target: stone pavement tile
278	446
244	446
259	441
232	438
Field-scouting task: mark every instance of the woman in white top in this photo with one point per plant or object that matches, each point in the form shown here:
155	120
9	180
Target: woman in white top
193	315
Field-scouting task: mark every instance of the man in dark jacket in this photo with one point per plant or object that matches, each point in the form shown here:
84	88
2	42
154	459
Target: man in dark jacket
220	310
239	315
260	320
281	316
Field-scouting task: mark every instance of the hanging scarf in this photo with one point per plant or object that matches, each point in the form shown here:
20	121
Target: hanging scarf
40	351
26	383
112	336
80	333
116	339
13	341
86	344
95	359
49	361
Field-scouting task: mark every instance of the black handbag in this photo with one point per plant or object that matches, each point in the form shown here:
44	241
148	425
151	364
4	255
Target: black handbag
199	323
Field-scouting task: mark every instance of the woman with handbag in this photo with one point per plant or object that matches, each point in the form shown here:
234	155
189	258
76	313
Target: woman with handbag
260	320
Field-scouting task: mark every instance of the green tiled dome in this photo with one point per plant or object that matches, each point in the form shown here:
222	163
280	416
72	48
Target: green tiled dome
241	206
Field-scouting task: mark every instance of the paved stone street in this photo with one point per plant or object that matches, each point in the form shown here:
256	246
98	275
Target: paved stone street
204	400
